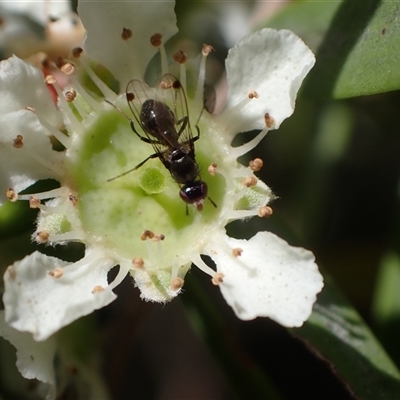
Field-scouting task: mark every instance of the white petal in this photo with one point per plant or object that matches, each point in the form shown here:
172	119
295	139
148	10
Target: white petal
34	359
21	167
22	85
39	303
273	64
104	22
269	279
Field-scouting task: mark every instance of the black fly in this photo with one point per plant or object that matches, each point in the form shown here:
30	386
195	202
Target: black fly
164	118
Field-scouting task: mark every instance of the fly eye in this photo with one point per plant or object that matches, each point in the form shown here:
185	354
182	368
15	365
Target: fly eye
194	192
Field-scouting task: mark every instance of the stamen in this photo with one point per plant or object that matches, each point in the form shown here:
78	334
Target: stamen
52	167
73	199
18	142
265	212
66	109
250	181
50	80
68	68
60	209
61	137
126	34
59	192
71	236
98	289
79	105
84	94
236	252
158	237
11	195
217	279
56	273
196	260
256	164
42	237
269	121
156	41
123	271
177	283
253	94
34	202
138	263
206	50
76	52
70	95
180	57
147	234
212	169
239	151
104	89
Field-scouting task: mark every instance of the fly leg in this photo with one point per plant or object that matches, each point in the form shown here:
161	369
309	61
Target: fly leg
155	155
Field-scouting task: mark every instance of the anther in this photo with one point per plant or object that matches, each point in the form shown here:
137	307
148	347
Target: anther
34	202
56	273
180	57
199	206
68	68
70	95
236	252
50	80
11	271
217	279
253	94
156	40
18	142
256	164
138	262
207	49
77	51
269	121
212	169
250	181
11	195
73	199
147	235
97	289
126	34
158	237
42	237
177	283
31	109
265	212
130	96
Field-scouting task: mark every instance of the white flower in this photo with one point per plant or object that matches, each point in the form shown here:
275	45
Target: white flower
131	221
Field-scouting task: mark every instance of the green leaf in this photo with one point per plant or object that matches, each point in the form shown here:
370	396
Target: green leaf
386	304
340	336
358	54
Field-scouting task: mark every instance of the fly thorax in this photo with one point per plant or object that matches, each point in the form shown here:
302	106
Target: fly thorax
183	166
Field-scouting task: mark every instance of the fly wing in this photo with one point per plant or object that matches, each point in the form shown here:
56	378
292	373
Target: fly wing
137	93
173	95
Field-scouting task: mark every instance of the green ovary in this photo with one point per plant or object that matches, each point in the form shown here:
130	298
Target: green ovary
116	213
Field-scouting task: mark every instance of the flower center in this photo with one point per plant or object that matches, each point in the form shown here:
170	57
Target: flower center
117	212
